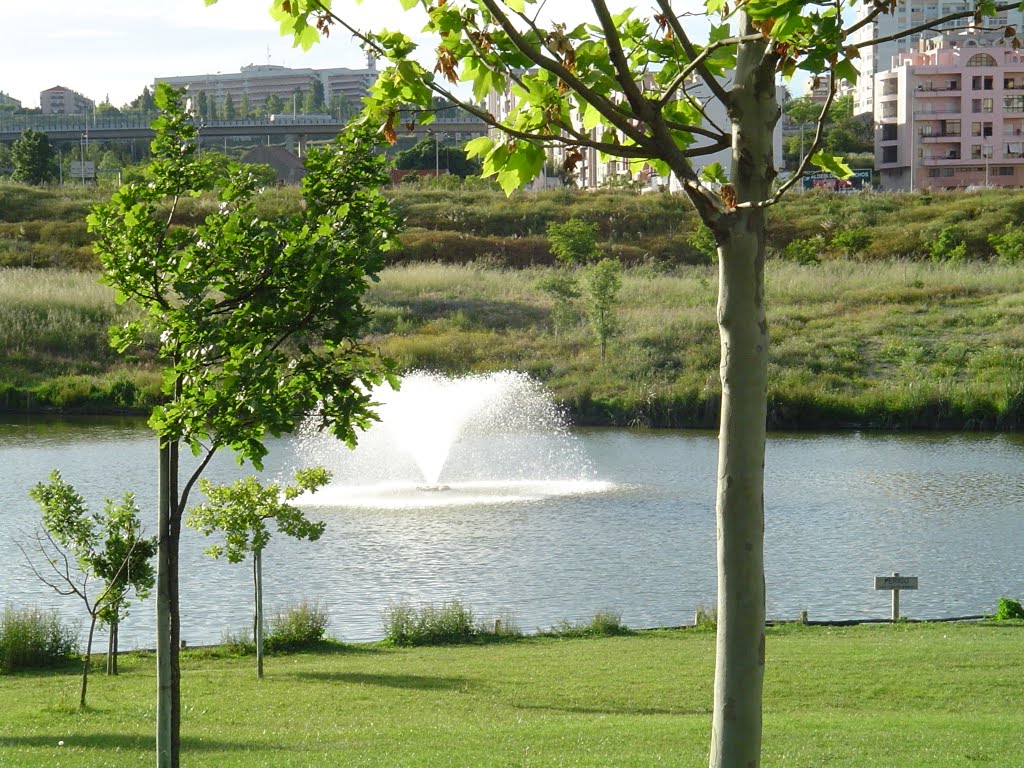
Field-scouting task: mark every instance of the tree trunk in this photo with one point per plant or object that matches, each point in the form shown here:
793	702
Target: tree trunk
112	648
164	756
174	603
740	651
257	564
88	659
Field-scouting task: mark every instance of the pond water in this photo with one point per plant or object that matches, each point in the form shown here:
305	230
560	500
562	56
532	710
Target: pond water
633	533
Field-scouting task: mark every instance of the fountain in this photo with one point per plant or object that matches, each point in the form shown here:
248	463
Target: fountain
480	439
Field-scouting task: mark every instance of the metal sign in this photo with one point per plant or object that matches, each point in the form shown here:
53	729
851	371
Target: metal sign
861	179
895	582
80	170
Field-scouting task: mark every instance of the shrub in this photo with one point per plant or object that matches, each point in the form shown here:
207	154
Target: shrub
948	246
573	242
300	626
452	622
601	624
1008	609
852	242
804	250
238	643
1009	246
32	638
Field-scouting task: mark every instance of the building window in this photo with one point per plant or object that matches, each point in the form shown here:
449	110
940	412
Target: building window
1013	103
981	60
950	128
1004	170
889	154
889	132
981	83
975	151
947	172
934	172
975	129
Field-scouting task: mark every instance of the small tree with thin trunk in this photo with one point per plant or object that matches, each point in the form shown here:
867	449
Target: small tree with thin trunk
601	285
78	548
255	321
241	511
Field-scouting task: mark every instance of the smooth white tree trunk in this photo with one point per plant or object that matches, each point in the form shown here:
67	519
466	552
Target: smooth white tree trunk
740	650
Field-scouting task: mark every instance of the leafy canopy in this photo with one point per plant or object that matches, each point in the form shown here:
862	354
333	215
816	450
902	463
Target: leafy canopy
256	321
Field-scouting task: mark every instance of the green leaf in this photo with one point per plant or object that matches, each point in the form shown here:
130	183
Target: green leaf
479	146
714	173
833	165
845	70
408	4
516	5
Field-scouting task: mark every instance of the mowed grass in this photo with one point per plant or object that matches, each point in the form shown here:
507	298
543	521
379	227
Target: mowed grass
900	696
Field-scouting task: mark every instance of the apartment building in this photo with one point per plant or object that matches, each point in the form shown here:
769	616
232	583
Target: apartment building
259	81
6	100
951	115
592	171
908	14
64	101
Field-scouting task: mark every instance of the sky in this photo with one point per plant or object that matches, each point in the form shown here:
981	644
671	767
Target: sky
113	48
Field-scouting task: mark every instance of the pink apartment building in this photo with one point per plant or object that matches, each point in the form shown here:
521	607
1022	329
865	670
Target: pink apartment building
951	115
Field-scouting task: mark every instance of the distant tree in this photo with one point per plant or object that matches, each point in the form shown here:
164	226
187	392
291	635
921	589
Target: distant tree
143	102
318	94
308	104
425	155
106	109
33	158
230	113
574	241
601	284
244	108
79	547
201	105
274	104
563	288
241	512
5	158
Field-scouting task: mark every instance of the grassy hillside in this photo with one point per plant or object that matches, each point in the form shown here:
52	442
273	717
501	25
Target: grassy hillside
881	345
904	696
884	310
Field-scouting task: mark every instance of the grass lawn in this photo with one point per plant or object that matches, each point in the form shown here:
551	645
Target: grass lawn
901	696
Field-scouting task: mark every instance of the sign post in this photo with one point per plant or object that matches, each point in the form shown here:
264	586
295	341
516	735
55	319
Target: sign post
895	583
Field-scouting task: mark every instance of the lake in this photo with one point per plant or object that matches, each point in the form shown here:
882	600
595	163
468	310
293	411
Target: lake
633	533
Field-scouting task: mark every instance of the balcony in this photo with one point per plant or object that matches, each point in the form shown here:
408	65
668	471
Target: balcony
940	136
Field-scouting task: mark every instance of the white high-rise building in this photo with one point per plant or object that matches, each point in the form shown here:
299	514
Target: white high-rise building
910	13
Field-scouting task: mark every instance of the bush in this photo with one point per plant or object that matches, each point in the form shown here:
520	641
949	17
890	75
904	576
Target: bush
301	626
1009	246
1008	609
31	638
452	622
238	643
601	624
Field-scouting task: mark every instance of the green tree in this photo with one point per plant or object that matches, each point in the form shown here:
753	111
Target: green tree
241	512
601	284
230	113
244	108
616	83
561	285
33	158
308	103
256	322
425	155
109	548
318	95
574	241
274	104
